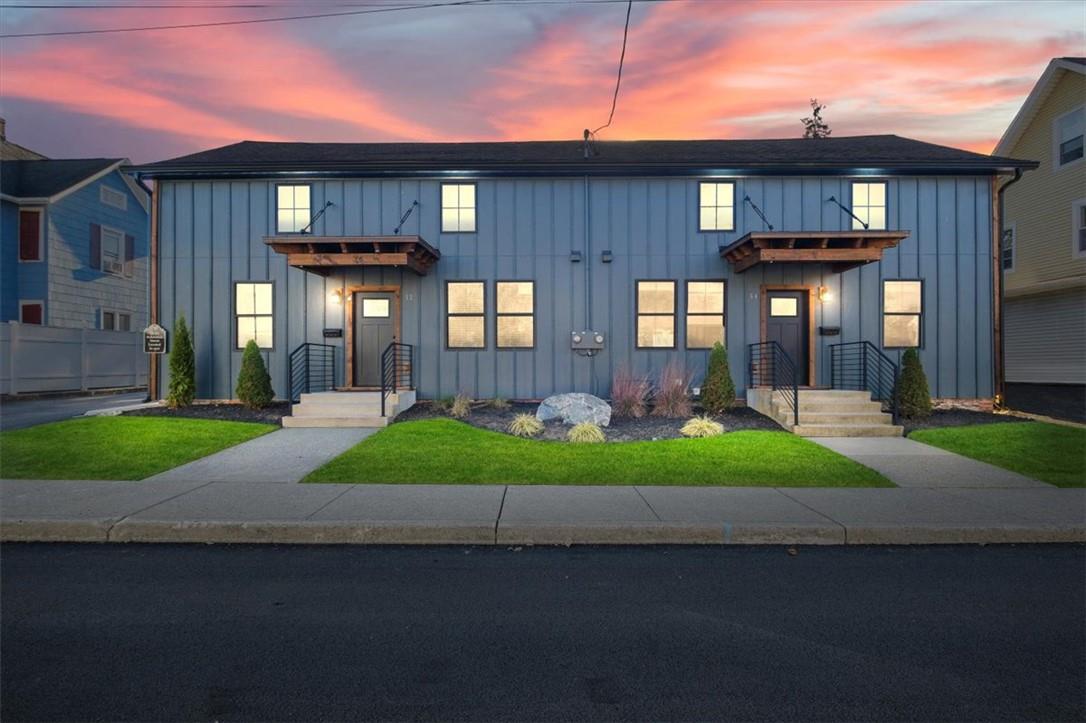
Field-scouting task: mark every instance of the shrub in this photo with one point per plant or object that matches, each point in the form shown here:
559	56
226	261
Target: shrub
254	384
672	395
182	367
525	425
718	389
586	433
629	394
914	399
444	404
460	407
499	403
702	427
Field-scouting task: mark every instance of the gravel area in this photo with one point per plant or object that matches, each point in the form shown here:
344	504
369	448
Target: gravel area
620	429
271	414
957	418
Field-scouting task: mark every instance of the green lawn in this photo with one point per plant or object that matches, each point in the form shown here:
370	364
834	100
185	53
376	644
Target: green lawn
125	448
1048	452
445	451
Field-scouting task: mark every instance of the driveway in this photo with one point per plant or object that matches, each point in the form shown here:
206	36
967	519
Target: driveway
29	412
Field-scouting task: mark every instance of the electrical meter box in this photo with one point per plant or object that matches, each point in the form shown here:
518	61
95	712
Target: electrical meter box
587	340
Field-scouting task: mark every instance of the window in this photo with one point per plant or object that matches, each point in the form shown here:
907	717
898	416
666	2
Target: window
458	207
1078	228
116	320
869	205
783	306
902	306
375	308
30	235
704	314
113	197
1067	137
656	314
253	312
1007	247
30	312
292	208
465	305
516	314
112	251
716	206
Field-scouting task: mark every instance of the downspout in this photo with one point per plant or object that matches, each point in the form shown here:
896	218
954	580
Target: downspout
997	281
152	375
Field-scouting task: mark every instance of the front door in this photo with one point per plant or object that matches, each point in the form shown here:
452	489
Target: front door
374	330
788	325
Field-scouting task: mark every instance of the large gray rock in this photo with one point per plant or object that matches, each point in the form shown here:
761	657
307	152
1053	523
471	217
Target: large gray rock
575	408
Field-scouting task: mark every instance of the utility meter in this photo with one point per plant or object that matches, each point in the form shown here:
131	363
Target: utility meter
587	342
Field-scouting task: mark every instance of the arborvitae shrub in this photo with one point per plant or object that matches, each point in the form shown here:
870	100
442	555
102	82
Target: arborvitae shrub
182	388
914	399
254	383
718	389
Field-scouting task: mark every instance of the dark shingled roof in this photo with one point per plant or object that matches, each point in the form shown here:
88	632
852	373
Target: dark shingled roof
1077	61
783	155
45	178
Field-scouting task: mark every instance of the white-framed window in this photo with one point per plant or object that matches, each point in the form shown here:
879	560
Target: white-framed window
1078	228
253	314
465	315
31	311
1067	137
31	234
112	251
113	320
902	313
113	197
1008	254
716	206
293	204
869	205
458	208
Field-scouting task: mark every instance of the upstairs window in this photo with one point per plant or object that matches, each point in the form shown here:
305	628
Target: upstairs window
1008	250
1068	134
465	321
516	314
704	314
656	314
292	208
112	251
902	309
716	206
30	235
869	205
253	314
458	208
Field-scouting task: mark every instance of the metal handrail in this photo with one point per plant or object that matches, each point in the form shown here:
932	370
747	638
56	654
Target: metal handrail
768	365
312	366
861	365
397	370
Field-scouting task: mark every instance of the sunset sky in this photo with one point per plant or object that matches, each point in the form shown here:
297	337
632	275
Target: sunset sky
952	73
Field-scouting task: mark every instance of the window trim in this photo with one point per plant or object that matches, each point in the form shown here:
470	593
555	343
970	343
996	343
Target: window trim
1056	165
486	339
275	212
701	182
102	229
32	302
234	315
674	314
883	314
1013	228
40	210
117	314
498	314
441	208
687	313
1075	214
885	206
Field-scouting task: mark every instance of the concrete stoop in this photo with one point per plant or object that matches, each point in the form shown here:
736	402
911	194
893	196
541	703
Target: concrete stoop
347	409
827	413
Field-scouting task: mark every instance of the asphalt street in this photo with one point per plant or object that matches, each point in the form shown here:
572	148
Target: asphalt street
171	632
20	413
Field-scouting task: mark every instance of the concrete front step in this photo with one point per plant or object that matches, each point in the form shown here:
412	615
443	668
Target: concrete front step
868	407
833	394
347	409
328	409
877	417
848	430
364	422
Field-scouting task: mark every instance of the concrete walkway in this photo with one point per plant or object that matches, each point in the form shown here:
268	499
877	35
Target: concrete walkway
281	457
907	463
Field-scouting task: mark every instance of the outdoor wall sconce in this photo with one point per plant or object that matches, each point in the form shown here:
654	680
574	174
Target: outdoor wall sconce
336	297
575	256
607	256
825	294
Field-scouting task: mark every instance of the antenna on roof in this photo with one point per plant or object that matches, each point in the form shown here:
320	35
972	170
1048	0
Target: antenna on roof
589	150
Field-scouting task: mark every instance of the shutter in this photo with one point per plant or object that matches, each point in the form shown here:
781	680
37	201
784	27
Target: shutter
29	236
129	253
95	246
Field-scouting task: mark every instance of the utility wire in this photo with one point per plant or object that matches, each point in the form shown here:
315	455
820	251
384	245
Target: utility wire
621	62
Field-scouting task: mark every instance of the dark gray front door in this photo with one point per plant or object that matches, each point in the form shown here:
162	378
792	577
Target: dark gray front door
787	324
374	330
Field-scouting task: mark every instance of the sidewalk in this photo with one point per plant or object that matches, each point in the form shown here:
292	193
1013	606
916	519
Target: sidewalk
221	512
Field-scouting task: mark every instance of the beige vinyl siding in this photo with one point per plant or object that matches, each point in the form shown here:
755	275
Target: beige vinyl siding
1039	205
1046	338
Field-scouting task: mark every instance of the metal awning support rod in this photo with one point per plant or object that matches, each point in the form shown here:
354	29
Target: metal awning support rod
403	218
314	219
746	199
846	209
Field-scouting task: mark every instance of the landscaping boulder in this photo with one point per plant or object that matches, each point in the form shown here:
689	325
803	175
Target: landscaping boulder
575	408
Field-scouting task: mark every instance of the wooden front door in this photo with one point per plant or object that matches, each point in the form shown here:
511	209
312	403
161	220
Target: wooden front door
788	325
374	329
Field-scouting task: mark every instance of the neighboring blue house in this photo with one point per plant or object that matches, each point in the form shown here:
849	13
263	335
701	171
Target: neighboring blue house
74	242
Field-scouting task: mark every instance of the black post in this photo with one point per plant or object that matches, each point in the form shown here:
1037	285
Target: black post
863	366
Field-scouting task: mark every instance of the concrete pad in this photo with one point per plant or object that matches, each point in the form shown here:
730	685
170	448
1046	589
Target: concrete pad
1048	505
242	502
461	504
284	456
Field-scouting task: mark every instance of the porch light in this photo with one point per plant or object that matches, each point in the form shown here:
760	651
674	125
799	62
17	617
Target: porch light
825	294
336	297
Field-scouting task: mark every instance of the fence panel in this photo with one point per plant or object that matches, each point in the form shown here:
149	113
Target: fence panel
37	358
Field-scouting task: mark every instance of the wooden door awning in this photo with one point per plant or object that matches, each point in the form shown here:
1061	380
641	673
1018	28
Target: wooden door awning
323	254
842	249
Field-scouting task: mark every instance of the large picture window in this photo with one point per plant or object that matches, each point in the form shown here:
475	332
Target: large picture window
516	314
716	206
869	205
465	306
253	311
458	207
292	208
656	314
902	313
704	314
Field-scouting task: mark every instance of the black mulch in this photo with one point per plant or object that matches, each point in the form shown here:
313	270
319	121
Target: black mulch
222	411
620	429
957	418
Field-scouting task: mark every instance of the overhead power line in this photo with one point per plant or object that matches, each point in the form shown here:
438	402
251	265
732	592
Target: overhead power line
621	62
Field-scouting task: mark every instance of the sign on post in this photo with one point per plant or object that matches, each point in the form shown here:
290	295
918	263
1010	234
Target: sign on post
154	340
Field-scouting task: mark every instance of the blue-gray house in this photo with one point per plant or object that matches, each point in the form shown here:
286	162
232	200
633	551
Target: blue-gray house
524	269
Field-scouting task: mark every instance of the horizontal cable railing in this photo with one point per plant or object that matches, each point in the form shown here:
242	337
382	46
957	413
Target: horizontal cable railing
397	371
312	369
860	365
768	365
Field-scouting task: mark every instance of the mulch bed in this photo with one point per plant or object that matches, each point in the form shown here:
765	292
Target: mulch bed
271	414
957	418
620	429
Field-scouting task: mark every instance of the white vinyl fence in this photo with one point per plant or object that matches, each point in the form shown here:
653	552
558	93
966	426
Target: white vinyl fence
37	358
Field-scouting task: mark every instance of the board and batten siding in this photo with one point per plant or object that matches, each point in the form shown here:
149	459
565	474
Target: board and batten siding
211	236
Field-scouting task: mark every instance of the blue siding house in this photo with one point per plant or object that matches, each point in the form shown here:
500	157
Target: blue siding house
526	269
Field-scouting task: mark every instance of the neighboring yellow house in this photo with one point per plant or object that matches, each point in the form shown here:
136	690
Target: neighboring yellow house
1044	248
